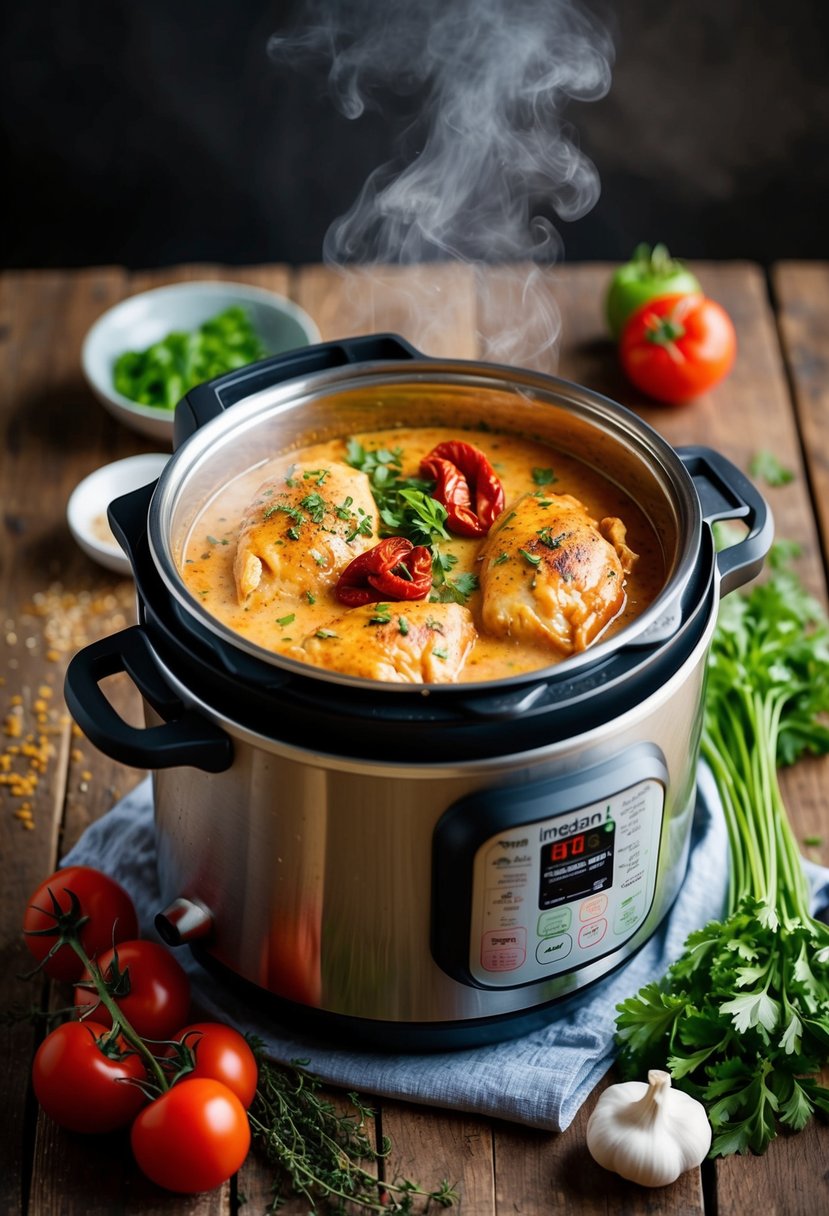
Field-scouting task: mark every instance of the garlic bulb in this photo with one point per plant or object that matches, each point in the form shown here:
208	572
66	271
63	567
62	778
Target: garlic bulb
649	1134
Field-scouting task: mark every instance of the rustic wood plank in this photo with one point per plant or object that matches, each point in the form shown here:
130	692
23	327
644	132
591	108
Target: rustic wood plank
273	278
54	600
96	1176
802	294
47	417
429	1146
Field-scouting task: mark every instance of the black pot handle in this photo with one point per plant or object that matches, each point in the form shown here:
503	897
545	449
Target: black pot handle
208	400
726	493
184	738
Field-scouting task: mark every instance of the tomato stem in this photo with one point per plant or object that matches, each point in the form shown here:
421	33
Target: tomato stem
663	331
118	1020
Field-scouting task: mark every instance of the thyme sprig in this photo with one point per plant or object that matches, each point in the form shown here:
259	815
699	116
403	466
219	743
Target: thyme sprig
323	1155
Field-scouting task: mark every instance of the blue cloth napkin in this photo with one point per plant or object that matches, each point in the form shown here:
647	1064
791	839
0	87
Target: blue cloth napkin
541	1079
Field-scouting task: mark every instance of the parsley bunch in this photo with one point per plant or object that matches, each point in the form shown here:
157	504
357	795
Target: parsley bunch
742	1018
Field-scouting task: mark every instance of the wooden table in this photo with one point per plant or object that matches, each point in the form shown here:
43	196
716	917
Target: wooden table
53	599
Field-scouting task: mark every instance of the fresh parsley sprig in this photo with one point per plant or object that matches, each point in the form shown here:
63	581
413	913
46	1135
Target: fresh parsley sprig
742	1018
404	503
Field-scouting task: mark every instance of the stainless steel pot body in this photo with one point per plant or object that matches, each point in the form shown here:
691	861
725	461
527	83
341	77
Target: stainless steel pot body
317	872
427	866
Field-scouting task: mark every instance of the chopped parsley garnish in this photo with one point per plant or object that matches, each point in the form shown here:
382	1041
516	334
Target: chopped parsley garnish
318	475
765	465
293	532
317	556
362	527
403	625
454	590
293	513
434	624
544	477
310	597
343	510
286	620
500	559
315	505
440	652
545	535
326	633
506	521
531	558
382	615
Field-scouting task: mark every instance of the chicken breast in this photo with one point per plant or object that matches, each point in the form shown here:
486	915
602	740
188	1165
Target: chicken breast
302	529
551	574
413	642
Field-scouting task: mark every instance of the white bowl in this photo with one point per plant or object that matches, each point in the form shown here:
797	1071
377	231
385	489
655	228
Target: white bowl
143	319
86	511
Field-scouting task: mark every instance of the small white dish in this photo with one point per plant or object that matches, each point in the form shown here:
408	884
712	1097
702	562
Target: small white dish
143	319
86	511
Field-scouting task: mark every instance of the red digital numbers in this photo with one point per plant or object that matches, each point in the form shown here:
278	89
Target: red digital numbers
563	849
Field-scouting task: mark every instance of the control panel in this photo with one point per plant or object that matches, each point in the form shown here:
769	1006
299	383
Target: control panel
552	876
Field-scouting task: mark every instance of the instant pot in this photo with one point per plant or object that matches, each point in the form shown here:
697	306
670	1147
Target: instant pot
419	866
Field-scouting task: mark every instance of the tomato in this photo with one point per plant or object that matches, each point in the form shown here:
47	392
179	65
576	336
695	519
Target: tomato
81	1087
466	485
223	1054
157	998
107	905
649	273
677	347
193	1137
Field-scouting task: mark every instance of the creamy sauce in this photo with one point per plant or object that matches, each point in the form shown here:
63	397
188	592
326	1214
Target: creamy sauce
281	623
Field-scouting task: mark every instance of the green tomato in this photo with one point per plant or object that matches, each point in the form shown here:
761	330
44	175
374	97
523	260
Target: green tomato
649	273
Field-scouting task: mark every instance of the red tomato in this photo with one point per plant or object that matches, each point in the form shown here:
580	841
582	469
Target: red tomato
109	909
158	996
82	1088
676	347
193	1137
223	1054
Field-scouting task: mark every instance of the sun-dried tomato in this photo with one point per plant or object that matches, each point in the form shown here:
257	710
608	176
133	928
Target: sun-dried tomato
395	569
466	485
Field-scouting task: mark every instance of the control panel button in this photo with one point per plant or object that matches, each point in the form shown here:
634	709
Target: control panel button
592	933
557	920
629	912
551	949
592	908
504	950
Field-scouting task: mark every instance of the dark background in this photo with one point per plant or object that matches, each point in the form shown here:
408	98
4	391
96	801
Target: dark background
147	132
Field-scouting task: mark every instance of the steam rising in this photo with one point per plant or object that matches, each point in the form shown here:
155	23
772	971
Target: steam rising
486	155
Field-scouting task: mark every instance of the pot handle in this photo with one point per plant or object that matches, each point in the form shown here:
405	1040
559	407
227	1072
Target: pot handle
184	738
726	493
210	399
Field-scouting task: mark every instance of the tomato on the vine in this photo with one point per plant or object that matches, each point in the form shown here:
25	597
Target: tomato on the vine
80	1081
192	1138
676	347
155	998
222	1053
106	905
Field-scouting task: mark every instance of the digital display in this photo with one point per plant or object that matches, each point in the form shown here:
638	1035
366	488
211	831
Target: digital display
576	866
